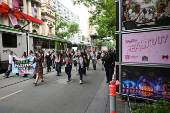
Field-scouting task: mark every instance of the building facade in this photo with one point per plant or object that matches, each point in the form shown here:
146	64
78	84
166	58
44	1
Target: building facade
48	16
32	12
91	30
64	12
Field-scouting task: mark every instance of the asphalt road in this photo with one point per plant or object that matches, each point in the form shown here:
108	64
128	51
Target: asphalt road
55	95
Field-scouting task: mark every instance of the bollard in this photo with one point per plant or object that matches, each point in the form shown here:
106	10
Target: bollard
112	87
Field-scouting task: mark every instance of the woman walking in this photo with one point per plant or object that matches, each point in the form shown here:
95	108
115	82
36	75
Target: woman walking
57	63
75	57
81	67
48	60
39	67
68	67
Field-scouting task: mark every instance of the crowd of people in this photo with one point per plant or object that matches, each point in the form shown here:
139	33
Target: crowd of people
79	60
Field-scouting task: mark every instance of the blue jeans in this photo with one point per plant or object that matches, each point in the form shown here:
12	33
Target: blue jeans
9	70
57	67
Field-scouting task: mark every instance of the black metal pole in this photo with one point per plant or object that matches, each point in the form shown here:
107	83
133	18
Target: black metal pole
27	42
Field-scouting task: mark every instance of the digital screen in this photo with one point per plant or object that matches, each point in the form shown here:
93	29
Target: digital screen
146	47
148	82
139	14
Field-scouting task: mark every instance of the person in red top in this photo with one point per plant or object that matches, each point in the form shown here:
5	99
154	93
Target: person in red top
57	63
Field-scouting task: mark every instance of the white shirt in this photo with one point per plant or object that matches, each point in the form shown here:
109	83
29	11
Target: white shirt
94	56
134	17
10	59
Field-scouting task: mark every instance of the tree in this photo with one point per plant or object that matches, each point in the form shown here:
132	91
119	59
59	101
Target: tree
73	28
104	16
61	29
100	42
83	38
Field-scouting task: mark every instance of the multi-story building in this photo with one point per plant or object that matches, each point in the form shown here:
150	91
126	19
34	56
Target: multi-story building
64	12
48	16
39	13
30	9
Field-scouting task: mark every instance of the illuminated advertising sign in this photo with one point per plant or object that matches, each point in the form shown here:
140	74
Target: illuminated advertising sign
139	14
146	47
148	82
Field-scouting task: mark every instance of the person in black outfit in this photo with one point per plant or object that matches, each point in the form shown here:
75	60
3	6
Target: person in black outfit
48	61
109	64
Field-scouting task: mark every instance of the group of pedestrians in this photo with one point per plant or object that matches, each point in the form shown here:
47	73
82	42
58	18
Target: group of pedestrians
57	60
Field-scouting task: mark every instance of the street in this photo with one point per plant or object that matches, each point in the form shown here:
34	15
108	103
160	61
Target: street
55	95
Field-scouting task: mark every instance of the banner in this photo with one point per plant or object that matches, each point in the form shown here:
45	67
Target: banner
21	65
148	82
104	48
146	47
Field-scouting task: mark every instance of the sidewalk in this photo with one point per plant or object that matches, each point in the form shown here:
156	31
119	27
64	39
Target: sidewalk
101	101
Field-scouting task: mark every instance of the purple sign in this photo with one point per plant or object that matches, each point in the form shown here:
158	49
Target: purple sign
146	47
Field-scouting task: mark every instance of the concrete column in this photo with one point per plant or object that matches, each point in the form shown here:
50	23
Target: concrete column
25	6
45	27
39	11
40	29
29	11
30	26
10	3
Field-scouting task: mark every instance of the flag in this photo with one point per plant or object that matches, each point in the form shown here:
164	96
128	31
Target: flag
15	3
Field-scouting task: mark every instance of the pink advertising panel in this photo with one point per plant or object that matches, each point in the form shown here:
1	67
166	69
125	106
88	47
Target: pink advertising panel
146	47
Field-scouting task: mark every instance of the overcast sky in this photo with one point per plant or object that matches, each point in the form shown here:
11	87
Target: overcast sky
80	11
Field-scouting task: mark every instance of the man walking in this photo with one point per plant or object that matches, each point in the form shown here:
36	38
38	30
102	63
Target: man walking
94	60
109	64
9	65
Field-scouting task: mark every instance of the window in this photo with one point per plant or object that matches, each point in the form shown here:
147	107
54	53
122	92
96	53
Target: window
9	40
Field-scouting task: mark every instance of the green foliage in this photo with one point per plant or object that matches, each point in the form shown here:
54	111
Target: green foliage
63	29
104	16
83	38
73	28
100	43
157	107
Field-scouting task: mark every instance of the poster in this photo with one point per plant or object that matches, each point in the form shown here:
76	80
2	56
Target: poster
146	82
139	14
104	48
21	65
146	47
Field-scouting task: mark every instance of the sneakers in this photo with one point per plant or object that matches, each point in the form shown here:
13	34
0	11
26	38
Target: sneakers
35	83
68	80
81	82
42	80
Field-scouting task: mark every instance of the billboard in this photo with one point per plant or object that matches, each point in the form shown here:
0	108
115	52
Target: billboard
146	47
146	82
139	14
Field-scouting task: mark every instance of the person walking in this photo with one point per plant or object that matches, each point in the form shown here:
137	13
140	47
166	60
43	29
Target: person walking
11	55
75	57
24	55
109	64
48	61
88	59
94	60
39	67
81	67
57	63
68	68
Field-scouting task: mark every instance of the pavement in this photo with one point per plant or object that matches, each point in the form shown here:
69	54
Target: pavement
55	95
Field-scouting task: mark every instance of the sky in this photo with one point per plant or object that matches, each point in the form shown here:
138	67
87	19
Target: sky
80	11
